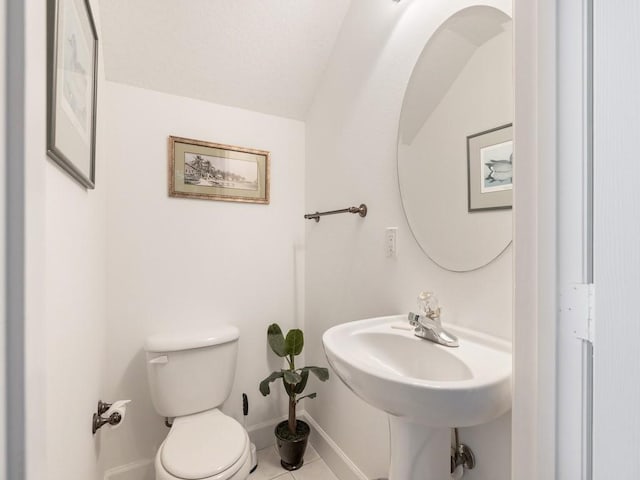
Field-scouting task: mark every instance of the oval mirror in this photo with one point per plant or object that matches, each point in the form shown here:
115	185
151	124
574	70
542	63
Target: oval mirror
455	141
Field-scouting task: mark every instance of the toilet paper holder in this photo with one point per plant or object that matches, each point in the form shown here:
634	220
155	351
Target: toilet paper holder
99	421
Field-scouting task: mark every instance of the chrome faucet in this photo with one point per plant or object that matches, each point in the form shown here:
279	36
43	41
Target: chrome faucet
427	322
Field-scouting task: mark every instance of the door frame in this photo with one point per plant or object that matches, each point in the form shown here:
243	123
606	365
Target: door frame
552	232
13	190
534	327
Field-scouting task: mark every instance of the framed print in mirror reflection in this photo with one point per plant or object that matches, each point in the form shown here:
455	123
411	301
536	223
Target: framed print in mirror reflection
490	169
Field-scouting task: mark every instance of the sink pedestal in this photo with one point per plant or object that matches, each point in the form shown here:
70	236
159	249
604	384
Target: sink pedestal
419	452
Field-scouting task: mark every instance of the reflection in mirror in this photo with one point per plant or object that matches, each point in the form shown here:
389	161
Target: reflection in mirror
460	87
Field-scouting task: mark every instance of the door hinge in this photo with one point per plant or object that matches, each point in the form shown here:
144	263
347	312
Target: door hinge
577	303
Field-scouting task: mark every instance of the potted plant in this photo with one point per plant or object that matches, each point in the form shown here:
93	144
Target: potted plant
292	434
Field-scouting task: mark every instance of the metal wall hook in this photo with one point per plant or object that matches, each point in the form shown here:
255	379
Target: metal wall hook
361	210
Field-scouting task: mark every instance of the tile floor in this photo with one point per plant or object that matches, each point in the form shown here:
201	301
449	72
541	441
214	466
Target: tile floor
269	467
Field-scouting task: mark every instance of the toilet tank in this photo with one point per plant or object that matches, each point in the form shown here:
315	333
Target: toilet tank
190	372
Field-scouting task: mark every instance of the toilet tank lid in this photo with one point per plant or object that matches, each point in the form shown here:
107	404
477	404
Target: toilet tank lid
172	342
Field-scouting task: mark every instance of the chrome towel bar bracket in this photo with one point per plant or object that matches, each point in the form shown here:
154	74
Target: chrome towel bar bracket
361	210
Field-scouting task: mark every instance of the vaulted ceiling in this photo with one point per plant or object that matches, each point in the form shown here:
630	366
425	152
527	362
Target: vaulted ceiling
262	55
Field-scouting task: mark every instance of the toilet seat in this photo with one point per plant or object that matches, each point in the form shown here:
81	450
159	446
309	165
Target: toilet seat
204	446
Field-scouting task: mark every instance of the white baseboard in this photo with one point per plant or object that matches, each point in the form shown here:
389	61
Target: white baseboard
139	470
331	453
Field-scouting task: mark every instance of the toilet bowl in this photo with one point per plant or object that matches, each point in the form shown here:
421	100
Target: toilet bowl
190	375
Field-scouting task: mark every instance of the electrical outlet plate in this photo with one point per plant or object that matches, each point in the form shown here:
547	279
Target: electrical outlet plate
391	242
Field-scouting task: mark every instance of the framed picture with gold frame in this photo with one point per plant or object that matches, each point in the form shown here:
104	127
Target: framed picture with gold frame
213	171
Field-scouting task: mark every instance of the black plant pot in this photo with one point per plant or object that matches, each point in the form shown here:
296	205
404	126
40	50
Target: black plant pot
291	447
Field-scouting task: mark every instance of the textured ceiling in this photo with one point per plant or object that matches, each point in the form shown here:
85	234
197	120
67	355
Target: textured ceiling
262	55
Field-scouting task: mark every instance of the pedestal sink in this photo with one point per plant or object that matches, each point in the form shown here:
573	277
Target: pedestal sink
425	388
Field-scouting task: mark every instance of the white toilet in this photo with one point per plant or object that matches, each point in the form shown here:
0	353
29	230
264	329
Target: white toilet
190	376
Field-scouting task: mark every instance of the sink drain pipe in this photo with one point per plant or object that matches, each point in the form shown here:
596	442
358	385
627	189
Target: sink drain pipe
462	458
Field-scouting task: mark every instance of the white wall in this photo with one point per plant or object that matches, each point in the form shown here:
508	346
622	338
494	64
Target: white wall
74	276
34	135
351	147
76	322
64	290
177	264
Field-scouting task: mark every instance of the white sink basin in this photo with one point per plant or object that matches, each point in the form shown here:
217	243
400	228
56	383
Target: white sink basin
407	376
426	388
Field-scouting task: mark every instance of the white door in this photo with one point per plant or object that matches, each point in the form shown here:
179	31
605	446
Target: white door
616	272
598	384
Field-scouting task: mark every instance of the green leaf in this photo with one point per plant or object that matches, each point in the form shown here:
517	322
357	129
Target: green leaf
299	388
291	377
320	372
289	389
276	340
311	395
264	384
294	341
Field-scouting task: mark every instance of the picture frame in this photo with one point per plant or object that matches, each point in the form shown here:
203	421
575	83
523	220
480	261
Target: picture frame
214	171
72	84
490	169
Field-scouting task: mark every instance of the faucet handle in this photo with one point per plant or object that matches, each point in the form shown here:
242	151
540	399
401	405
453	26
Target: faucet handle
428	305
422	302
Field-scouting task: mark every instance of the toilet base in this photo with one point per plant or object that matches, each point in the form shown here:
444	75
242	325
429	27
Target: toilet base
254	458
